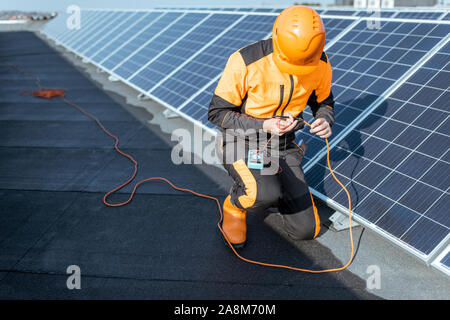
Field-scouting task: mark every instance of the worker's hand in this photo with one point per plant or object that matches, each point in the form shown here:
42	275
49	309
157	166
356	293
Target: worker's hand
321	127
279	126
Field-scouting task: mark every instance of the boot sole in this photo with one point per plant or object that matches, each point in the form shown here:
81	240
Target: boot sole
235	245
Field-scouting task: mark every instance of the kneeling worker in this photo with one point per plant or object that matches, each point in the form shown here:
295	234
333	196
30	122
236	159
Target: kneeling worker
265	87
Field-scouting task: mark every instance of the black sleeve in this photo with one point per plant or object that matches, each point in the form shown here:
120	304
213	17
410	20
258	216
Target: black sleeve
324	109
228	116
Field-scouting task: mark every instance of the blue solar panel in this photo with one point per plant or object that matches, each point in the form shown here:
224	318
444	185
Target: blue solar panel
263	10
339	12
447	17
427	15
89	18
123	46
334	27
210	63
398	160
100	30
159	43
96	28
123	22
368	62
446	260
182	50
378	13
197	108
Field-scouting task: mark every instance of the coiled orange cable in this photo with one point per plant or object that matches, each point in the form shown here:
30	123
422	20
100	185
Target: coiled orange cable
50	93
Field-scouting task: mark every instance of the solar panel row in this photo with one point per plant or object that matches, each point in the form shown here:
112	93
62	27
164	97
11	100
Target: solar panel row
387	158
399	13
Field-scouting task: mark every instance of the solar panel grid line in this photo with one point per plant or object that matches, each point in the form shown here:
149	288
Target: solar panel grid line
214	79
108	60
69	35
342	209
123	23
394	15
79	37
341	34
188	31
135	50
208	64
119	35
444	13
107	37
198	52
138	50
376	103
84	45
93	37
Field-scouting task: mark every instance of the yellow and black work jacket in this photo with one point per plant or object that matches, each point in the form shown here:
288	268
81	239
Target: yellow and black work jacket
252	89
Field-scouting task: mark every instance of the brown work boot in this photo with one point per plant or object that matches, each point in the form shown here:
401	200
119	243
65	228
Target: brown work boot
234	224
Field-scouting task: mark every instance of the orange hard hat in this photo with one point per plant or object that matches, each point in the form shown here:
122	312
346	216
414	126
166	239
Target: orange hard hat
298	39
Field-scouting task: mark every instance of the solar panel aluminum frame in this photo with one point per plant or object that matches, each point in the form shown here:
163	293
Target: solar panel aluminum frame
437	263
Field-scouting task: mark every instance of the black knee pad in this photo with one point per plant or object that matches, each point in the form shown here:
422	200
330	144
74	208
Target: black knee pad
300	226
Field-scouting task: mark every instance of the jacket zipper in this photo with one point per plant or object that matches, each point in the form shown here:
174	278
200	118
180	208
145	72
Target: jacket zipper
281	100
291	78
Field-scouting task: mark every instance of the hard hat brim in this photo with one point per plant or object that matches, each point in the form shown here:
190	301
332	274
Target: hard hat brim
294	69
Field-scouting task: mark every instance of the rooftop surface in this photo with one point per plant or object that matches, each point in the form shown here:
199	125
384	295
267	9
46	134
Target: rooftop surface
56	165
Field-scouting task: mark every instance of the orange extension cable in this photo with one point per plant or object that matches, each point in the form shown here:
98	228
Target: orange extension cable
51	93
